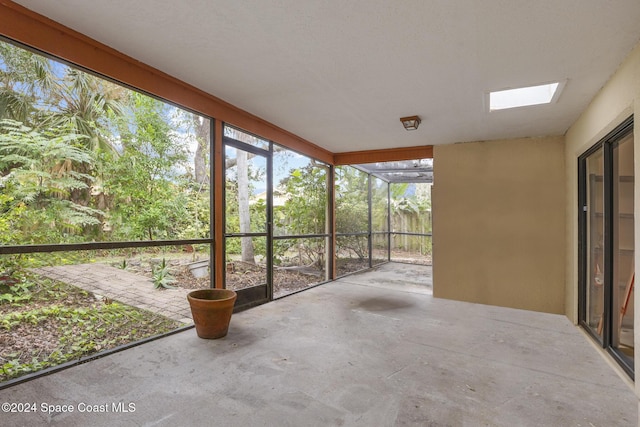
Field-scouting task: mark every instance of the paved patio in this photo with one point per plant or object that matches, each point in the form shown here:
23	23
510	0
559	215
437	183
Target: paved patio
123	286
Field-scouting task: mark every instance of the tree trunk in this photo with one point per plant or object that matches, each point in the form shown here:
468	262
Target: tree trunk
202	128
243	206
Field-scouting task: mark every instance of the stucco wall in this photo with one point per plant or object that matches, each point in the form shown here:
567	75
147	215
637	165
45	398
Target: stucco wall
499	223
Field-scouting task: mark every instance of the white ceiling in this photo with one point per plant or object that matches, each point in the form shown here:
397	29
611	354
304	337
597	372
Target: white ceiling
340	73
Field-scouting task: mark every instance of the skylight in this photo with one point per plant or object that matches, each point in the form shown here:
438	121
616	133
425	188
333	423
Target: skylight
523	96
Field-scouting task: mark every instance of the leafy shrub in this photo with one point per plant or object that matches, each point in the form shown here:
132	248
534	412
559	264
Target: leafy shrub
162	277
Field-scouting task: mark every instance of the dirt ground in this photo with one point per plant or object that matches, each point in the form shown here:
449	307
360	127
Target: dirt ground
240	275
286	280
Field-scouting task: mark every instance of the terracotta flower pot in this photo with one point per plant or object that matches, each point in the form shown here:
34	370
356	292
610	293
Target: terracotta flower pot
211	310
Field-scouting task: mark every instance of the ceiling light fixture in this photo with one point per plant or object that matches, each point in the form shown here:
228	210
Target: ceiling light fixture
410	123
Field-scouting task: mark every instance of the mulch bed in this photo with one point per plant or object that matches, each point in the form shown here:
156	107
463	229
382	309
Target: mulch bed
61	323
239	275
286	280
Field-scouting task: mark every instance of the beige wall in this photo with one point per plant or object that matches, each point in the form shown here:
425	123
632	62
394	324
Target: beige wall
616	101
499	223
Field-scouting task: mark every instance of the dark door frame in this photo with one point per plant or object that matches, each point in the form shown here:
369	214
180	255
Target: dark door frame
262	293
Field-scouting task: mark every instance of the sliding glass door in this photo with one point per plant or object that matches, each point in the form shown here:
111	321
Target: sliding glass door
607	269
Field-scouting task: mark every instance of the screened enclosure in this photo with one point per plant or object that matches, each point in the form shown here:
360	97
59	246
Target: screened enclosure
104	205
108	209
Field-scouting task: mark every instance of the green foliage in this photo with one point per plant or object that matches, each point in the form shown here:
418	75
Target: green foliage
349	245
352	206
15	286
352	211
233	247
11	214
196	222
38	180
83	159
146	176
304	212
162	278
24	75
305	209
409	205
232	216
86	104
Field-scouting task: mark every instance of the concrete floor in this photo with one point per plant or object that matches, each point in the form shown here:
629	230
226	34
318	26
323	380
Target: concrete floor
367	350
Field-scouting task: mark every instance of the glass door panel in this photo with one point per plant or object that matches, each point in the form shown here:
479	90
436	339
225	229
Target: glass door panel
595	242
623	244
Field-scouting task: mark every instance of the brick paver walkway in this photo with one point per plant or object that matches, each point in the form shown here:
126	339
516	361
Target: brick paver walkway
123	286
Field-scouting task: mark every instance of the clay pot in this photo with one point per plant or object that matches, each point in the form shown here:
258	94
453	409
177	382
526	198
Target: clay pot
211	310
